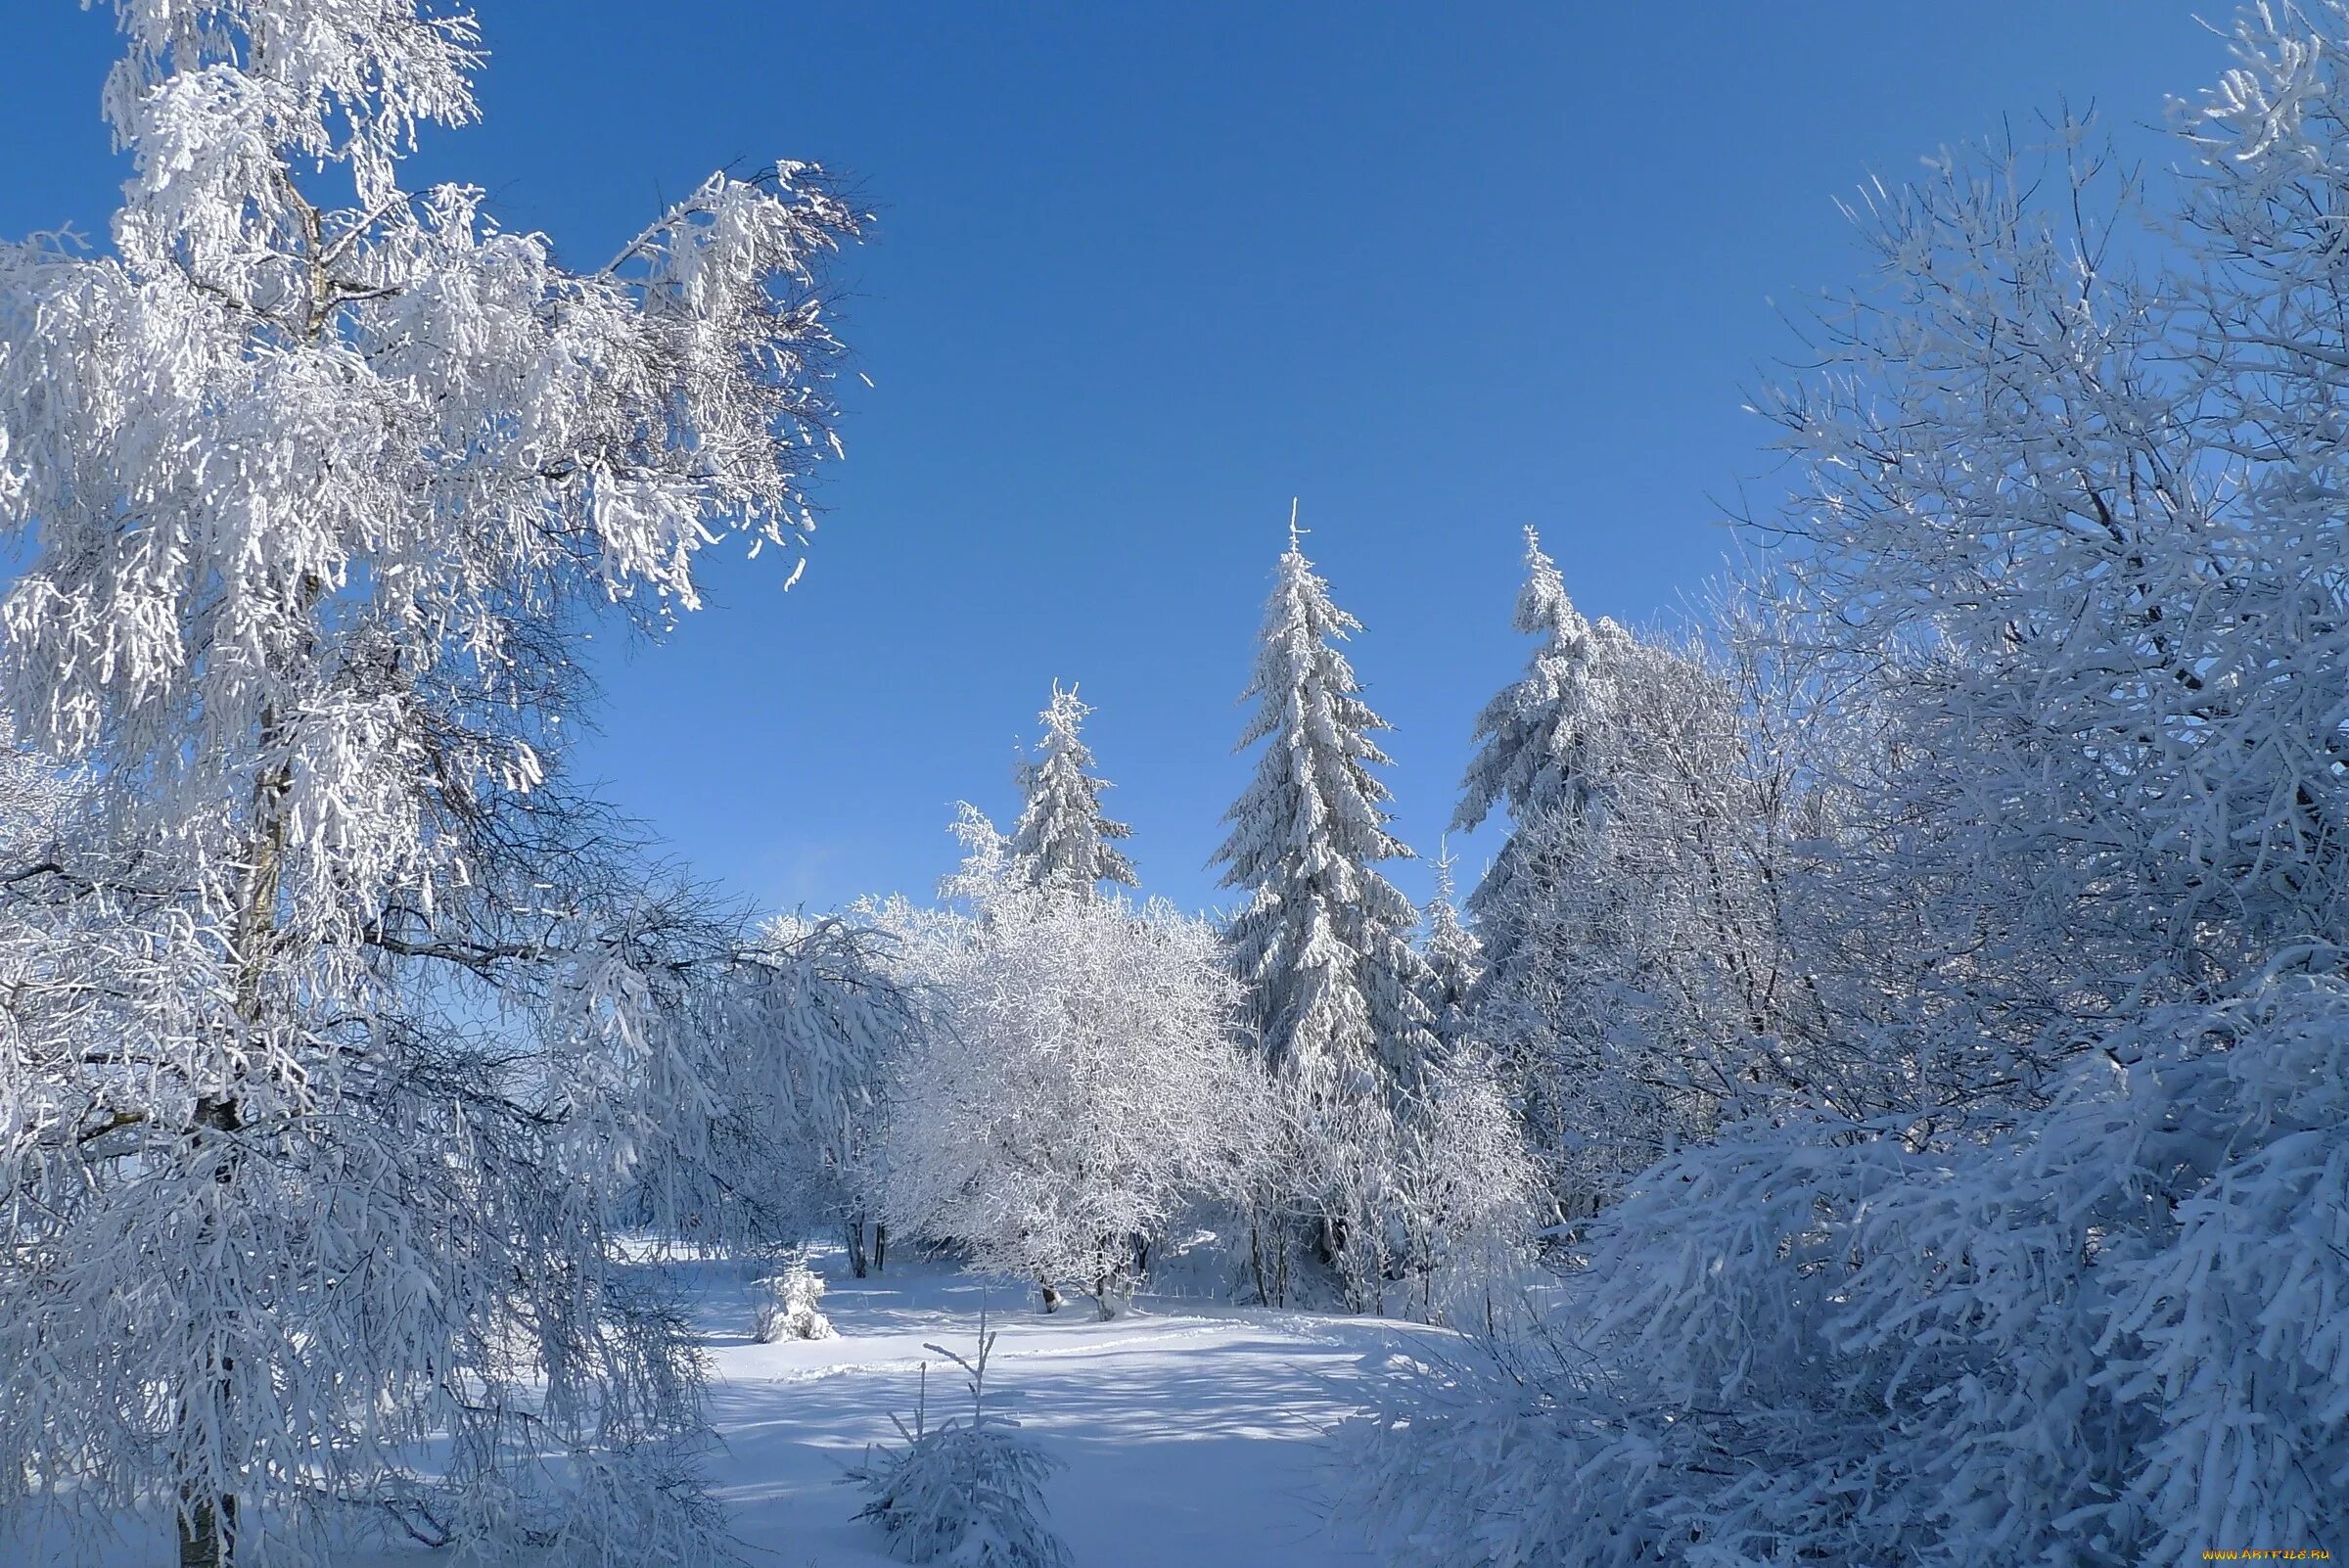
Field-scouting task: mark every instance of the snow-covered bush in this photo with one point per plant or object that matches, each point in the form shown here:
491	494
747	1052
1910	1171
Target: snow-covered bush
967	1492
1080	1083
788	1307
1426	1211
1465	1197
2112	1338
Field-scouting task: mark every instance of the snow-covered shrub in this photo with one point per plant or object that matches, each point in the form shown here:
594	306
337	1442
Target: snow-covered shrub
1080	1083
967	1492
788	1307
2115	1337
1465	1195
1425	1210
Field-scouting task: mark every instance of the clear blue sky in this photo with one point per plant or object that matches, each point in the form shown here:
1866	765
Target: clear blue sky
1144	272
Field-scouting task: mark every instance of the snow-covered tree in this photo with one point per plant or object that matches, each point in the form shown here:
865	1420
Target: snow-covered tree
1664	928
1080	1083
789	1305
1454	958
1531	740
340	1026
2063	1284
806	1023
1062	838
968	1492
1325	941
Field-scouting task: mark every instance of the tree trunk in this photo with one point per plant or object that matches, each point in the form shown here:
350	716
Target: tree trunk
880	1246
208	1532
857	1247
208	1520
1271	1287
1101	1281
1052	1296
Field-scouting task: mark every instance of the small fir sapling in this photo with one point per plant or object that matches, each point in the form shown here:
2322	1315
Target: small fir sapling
966	1493
788	1307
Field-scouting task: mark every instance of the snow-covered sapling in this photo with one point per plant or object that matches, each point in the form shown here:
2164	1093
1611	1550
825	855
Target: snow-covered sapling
788	1307
966	1493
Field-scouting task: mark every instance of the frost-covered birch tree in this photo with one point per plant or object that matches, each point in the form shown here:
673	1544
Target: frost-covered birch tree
1063	839
339	1025
1080	1081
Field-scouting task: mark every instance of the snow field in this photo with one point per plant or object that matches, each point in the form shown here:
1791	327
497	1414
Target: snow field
1195	1434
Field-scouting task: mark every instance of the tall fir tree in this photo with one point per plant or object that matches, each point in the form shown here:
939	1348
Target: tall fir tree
1062	838
1532	743
1325	944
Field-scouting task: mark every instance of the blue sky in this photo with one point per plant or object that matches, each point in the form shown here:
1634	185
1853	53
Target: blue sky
1142	273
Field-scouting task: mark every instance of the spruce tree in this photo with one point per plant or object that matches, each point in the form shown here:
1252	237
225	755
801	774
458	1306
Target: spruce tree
1062	838
1325	944
1454	958
1533	738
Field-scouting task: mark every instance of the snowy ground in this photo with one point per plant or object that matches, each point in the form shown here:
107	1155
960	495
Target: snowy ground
1194	1433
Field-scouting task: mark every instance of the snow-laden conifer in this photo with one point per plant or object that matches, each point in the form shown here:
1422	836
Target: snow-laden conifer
1325	941
967	1492
1063	839
1454	958
1530	739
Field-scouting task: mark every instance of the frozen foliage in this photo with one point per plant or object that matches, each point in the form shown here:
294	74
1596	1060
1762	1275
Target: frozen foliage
1062	838
1324	942
804	1020
336	1023
2115	1338
2029	1240
966	1493
2069	519
1079	1083
788	1307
